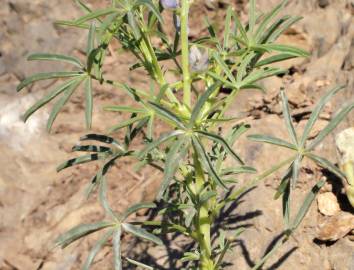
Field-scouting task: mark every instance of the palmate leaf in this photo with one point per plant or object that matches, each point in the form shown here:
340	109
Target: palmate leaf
224	248
96	180
275	26
136	207
141	233
222	80
254	87
287	117
190	256
46	76
127	123
231	137
139	264
286	200
72	24
284	183
296	169
274	59
80	231
212	32
163	138
133	24
278	27
90	46
88	102
176	154
62	101
236	132
326	164
109	23
150	5
83	6
56	57
227	28
271	140
46	99
257	75
252	15
240	28
331	125
95	14
267	19
167	114
161	92
201	102
316	112
133	131
102	195
82	159
238	170
222	120
99	138
206	161
117	108
242	70
306	204
95	249
269	47
224	68
150	128
204	197
216	138
92	148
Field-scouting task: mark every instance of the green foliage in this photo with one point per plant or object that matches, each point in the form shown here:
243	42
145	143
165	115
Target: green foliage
196	185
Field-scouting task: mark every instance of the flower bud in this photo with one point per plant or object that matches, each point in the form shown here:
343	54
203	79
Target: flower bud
177	22
170	4
199	61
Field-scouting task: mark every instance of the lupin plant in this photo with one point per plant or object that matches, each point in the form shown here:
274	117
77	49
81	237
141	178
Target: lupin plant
197	184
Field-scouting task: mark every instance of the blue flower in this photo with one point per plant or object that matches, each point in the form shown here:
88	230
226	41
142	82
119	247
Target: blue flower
170	4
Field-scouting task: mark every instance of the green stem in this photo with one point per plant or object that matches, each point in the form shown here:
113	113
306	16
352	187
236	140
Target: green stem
149	53
185	53
203	220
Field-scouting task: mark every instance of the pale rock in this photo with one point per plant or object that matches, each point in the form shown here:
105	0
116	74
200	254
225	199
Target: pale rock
336	56
13	130
341	255
328	204
324	30
296	93
335	227
345	145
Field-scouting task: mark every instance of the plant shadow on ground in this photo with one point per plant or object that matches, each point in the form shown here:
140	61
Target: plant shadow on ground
228	221
337	188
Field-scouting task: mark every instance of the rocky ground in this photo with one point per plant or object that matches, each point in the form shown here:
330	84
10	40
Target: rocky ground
37	204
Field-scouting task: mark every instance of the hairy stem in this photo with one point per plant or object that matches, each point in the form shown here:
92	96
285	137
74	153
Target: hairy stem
185	53
149	53
203	220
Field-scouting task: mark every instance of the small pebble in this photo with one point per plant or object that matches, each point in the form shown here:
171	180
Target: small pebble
328	204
